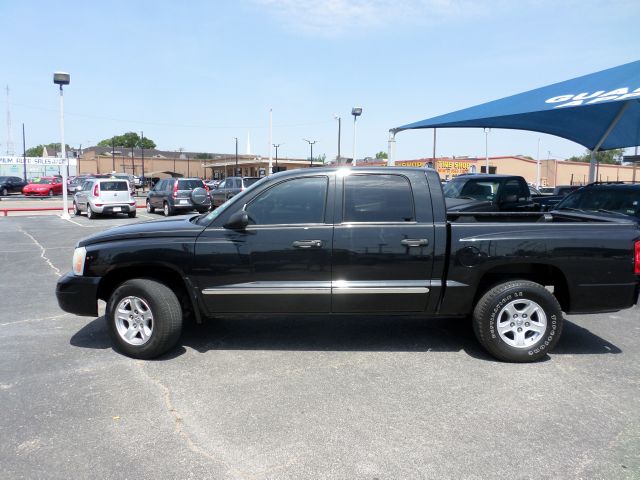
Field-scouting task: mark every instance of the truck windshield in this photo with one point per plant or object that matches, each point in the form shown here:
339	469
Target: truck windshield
625	201
477	189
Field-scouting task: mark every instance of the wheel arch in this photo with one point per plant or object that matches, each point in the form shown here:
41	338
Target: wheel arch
168	276
541	273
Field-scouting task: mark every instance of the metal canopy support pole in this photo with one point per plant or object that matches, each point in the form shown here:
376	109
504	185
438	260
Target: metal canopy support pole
592	163
391	154
434	147
538	166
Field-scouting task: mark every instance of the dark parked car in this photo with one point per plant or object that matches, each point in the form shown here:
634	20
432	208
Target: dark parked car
75	185
11	185
229	187
175	194
607	198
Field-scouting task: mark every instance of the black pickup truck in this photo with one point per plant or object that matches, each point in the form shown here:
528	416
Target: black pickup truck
355	241
479	192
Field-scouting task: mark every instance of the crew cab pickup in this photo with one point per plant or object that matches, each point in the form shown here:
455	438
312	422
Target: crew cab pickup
356	241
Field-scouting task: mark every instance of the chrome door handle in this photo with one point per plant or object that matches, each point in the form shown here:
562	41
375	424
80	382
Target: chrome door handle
415	242
307	244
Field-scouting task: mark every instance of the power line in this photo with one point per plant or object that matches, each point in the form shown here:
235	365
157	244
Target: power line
166	124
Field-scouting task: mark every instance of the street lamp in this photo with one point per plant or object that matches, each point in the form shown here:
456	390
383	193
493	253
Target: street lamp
339	131
356	112
311	143
63	78
276	146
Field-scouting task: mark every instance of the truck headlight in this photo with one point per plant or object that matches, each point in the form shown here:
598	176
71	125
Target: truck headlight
79	256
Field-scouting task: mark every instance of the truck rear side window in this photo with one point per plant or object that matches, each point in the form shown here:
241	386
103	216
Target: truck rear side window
378	198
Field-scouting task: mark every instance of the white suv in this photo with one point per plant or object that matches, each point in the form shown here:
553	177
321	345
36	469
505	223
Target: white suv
104	196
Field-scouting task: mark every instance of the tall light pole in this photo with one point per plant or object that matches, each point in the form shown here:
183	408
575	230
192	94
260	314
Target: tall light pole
311	143
235	174
276	146
60	79
486	149
339	134
356	112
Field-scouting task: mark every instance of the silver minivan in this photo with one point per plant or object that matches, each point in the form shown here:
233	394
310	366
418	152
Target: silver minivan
104	196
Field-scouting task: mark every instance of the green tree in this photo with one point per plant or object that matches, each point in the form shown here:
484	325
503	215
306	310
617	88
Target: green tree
128	140
380	155
52	148
603	156
204	156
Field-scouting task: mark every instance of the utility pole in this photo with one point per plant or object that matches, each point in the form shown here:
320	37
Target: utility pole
311	143
276	146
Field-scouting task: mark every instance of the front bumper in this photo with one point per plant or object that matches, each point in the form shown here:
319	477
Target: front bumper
78	295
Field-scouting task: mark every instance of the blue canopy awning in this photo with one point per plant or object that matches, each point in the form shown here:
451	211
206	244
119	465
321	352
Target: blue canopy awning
600	111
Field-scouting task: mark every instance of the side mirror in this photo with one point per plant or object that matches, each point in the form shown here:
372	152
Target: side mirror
238	221
510	198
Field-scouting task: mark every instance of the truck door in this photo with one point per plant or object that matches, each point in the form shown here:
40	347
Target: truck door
383	244
281	262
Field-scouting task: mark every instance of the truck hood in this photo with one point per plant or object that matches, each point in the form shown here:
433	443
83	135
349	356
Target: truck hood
170	227
464	204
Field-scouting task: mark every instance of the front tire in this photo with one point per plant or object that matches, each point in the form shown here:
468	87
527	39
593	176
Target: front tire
518	321
51	193
150	208
144	318
5	192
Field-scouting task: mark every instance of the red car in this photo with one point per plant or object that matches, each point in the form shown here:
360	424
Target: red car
43	186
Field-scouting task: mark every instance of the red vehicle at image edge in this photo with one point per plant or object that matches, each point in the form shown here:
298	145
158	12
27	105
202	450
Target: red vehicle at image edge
361	241
44	186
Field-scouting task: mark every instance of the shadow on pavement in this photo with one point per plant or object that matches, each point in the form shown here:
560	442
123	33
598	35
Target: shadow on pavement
341	333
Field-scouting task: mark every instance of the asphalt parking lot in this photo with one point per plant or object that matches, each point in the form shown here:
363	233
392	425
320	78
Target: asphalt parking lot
298	397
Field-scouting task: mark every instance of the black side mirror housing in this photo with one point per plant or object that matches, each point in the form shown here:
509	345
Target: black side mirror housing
238	221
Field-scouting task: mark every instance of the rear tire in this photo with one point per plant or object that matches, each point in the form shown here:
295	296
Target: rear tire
144	318
132	214
76	210
91	215
51	193
518	321
167	210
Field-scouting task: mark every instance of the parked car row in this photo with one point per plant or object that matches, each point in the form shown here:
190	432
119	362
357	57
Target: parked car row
172	195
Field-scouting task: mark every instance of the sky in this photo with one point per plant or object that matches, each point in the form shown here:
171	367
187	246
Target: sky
196	74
